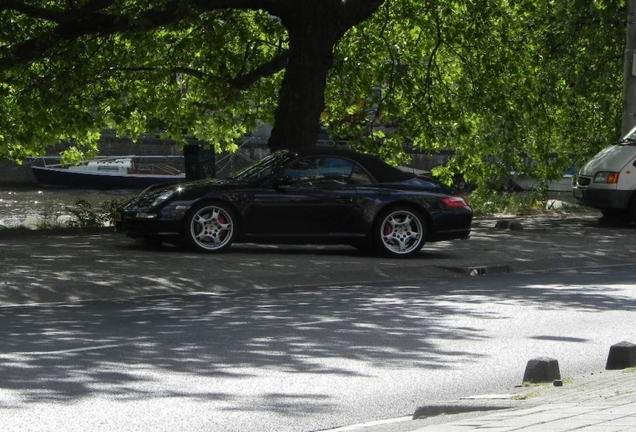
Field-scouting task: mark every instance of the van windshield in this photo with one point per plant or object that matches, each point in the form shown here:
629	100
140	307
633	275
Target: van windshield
629	139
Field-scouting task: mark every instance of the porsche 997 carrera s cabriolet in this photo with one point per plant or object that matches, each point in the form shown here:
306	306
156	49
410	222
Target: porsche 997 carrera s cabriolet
320	195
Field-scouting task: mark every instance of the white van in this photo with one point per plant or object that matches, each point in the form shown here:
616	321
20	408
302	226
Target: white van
608	181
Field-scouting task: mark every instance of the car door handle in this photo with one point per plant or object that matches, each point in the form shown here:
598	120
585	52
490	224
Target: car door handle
345	200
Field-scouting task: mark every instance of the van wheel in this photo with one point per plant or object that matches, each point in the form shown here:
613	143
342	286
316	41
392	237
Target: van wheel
617	213
631	208
616	216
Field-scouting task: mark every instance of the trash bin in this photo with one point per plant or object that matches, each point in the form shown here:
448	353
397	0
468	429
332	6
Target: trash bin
199	161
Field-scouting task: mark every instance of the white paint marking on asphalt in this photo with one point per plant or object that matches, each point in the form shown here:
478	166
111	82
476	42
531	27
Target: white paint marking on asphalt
489	396
362	426
313	323
68	351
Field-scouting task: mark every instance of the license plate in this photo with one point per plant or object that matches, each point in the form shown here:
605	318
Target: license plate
117	217
578	193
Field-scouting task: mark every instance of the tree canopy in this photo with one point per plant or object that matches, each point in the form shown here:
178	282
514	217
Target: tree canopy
524	85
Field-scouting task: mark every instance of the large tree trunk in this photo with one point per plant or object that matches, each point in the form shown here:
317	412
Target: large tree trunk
314	28
301	99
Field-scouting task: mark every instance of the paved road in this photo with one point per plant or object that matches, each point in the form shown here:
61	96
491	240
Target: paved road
299	359
362	324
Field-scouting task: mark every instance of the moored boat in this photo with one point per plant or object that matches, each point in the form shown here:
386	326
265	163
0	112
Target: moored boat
106	173
526	183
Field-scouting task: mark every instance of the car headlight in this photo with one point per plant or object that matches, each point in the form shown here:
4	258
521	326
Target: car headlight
145	215
606	177
162	198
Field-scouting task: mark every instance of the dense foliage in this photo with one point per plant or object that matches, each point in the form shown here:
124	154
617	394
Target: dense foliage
523	86
509	85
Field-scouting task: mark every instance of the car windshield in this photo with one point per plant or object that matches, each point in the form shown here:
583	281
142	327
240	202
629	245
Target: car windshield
263	168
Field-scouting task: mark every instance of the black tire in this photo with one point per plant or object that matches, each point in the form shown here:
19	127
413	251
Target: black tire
210	227
631	208
610	213
399	232
619	216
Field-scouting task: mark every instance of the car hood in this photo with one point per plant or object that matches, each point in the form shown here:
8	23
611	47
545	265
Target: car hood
198	186
184	191
612	158
206	184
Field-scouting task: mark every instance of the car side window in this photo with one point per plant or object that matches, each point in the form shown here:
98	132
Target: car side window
315	171
335	171
303	171
326	171
360	177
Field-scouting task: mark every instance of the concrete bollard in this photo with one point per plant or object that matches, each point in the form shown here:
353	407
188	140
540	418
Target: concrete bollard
542	369
621	356
502	224
511	225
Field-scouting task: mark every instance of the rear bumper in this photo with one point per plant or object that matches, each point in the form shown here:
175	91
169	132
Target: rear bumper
451	235
451	227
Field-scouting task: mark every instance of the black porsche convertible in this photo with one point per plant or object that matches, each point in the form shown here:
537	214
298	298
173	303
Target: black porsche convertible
322	195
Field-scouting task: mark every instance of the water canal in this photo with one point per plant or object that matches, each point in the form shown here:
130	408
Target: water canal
31	206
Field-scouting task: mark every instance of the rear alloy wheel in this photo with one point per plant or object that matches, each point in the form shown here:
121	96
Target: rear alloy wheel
399	232
210	227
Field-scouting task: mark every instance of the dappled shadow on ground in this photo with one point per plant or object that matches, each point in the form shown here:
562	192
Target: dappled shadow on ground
116	348
287	309
63	352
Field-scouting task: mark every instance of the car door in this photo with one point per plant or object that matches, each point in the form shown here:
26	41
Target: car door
312	197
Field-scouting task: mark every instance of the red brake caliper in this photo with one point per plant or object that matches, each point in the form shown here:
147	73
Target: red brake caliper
221	219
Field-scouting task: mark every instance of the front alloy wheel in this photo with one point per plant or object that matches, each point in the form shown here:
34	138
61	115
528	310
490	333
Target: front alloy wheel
400	232
211	227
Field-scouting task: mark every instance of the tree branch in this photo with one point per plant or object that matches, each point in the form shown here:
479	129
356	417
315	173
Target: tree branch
90	19
273	66
242	82
356	11
54	15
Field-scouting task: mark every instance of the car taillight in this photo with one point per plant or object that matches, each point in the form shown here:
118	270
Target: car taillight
454	202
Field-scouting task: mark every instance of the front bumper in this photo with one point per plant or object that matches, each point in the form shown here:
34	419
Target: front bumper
132	226
602	198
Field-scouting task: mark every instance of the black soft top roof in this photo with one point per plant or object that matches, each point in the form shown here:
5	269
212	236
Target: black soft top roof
380	170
